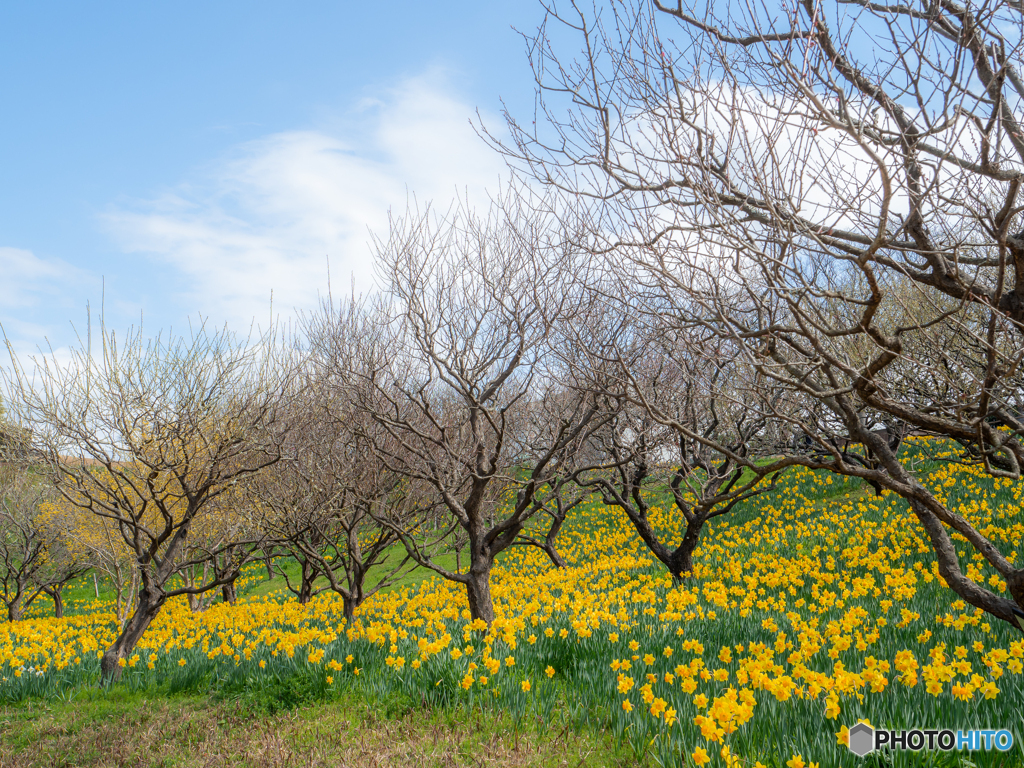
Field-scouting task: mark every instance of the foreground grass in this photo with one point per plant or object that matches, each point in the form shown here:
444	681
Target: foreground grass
119	728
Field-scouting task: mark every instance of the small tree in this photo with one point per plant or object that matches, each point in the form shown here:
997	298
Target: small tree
63	560
320	505
218	546
24	538
472	307
149	435
681	437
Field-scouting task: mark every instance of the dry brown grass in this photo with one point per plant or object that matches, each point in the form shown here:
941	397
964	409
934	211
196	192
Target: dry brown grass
135	732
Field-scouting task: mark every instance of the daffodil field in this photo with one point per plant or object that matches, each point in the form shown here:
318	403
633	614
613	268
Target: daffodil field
811	609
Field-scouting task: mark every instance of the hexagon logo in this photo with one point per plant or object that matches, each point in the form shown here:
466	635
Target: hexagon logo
862	739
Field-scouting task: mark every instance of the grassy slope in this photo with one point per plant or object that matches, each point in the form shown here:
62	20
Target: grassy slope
80	595
410	577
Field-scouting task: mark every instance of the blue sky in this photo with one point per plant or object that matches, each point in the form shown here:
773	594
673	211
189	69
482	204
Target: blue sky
178	159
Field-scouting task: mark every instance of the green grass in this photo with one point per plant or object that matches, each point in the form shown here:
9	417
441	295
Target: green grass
412	576
118	728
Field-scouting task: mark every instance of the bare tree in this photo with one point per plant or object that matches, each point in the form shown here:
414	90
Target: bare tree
63	561
34	554
542	424
321	504
834	189
220	543
24	537
149	435
561	495
472	305
681	437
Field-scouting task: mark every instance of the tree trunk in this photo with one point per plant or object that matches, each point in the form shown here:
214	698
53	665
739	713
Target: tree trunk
58	602
1015	586
269	562
549	539
478	589
949	569
146	610
349	604
680	562
196	602
552	553
96	585
14	610
306	587
228	593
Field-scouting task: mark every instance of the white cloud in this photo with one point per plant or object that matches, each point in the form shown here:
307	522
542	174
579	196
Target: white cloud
28	278
30	289
269	215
